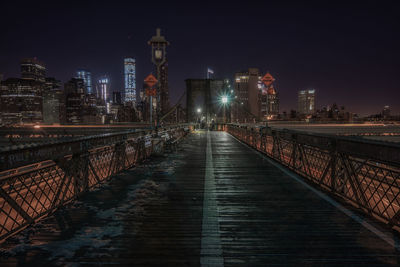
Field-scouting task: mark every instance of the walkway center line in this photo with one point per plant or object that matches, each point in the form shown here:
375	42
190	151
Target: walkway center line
211	250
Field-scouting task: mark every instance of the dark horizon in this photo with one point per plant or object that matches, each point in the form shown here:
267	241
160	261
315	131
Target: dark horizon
349	53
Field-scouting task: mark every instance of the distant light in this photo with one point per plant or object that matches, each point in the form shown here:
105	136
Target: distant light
36	126
198	110
231	91
224	99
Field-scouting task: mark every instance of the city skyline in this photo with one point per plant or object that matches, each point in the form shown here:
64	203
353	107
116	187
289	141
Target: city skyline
348	56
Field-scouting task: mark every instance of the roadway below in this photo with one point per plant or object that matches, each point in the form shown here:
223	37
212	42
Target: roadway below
215	202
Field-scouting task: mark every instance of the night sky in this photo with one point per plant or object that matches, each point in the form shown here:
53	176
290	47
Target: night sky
349	53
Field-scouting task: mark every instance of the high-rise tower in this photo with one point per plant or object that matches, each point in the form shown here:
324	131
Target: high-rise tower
86	76
306	102
247	87
269	98
32	69
103	89
130	80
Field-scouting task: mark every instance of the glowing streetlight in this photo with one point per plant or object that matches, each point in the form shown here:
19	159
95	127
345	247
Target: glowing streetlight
199	110
224	101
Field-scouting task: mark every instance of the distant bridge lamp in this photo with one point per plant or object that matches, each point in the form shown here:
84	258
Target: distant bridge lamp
198	110
224	102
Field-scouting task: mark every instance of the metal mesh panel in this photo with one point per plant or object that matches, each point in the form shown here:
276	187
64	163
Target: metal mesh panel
30	192
369	184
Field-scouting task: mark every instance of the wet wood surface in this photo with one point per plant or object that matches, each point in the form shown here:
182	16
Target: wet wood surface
152	215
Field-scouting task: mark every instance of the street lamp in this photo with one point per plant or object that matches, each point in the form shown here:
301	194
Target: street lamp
224	101
158	57
199	114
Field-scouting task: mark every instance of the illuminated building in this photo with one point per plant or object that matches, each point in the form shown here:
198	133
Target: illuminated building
246	106
75	100
306	102
86	76
269	97
53	102
33	98
386	112
272	103
21	101
32	69
130	80
103	89
91	111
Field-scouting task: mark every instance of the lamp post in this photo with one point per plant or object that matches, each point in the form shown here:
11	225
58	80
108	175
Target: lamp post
199	116
158	57
224	101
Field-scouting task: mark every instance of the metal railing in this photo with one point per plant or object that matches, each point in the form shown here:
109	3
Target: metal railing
36	180
364	173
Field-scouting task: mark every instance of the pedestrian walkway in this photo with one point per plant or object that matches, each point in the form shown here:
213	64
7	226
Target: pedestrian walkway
214	202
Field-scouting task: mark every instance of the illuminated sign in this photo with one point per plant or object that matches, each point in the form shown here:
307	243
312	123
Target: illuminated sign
268	79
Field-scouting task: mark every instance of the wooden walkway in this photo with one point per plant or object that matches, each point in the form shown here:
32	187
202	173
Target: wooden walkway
216	202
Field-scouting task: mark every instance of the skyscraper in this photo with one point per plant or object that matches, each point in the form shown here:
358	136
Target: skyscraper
130	80
269	97
21	101
306	102
247	89
386	112
53	102
86	76
32	69
103	89
75	100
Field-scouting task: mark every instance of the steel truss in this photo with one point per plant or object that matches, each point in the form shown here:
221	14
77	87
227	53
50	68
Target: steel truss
32	190
365	174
